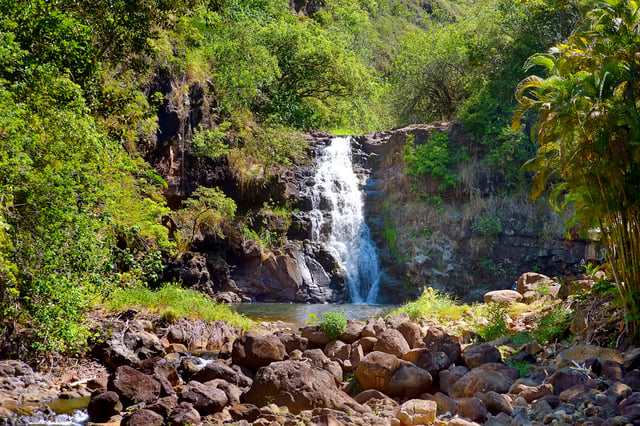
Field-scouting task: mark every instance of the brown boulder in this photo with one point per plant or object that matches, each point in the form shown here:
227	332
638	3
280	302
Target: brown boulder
417	412
566	377
205	399
353	331
161	367
392	342
488	377
433	362
497	403
142	417
220	370
314	335
529	281
408	381
254	351
375	370
472	409
184	415
411	333
582	354
337	349
103	405
292	342
298	385
438	340
478	354
502	296
133	387
450	376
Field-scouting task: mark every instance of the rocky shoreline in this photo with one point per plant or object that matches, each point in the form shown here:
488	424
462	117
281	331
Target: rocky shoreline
383	371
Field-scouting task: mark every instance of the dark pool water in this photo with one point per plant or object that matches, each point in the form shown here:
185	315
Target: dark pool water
298	313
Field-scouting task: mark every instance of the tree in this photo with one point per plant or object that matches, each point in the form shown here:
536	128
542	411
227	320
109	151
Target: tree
588	130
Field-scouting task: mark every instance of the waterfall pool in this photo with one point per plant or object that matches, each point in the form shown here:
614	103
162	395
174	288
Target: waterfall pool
298	313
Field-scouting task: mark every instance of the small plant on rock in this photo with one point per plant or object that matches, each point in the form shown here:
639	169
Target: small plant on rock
333	324
497	326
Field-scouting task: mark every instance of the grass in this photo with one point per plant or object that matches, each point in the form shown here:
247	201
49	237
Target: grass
172	302
433	304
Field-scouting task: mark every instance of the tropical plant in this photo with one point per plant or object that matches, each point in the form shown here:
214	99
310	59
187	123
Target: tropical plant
588	130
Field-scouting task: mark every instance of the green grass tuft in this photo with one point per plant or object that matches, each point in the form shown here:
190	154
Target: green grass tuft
173	301
433	304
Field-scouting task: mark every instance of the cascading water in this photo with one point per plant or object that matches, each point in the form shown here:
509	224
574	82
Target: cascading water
338	220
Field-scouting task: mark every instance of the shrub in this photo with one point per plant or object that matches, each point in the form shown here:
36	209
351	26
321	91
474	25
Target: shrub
333	324
433	158
497	326
488	225
553	325
433	304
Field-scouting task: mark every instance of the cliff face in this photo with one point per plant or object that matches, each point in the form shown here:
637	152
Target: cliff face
467	240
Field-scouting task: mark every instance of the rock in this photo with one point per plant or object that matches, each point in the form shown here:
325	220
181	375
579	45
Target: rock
487	377
531	393
220	370
254	351
368	394
450	376
298	385
103	405
233	392
411	333
321	362
472	409
367	343
376	369
247	412
393	321
630	407
205	399
446	404
478	354
502	296
177	334
393	342
417	412
437	340
184	414
315	335
566	377
582	354
161	367
142	417
133	386
501	419
408	381
164	406
433	362
292	342
337	349
373	327
497	403
459	421
530	281
353	331
127	348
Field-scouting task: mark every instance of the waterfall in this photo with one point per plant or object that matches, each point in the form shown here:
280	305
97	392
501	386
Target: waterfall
337	220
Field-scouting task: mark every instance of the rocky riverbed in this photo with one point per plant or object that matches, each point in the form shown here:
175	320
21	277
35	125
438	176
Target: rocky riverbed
383	371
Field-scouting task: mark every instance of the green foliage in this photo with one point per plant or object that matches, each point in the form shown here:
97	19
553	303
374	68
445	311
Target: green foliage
488	225
521	339
333	324
210	142
433	158
587	130
553	326
204	212
522	366
434	304
497	327
173	301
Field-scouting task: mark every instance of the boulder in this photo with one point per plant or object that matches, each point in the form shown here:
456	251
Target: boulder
417	412
446	404
583	354
497	403
103	405
205	399
487	377
353	331
246	412
411	333
315	335
433	362
478	354
437	340
375	370
393	321
164	406
161	367
392	342
254	351
408	381
531	393
373	327
529	281
321	362
292	342
566	377
220	370
367	343
502	296
127	348
337	349
450	376
298	385
133	387
472	409
184	415
142	417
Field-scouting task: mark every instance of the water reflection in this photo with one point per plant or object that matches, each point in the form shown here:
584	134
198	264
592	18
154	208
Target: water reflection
298	313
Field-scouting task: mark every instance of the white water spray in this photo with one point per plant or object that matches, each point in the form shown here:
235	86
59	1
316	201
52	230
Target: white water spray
338	220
